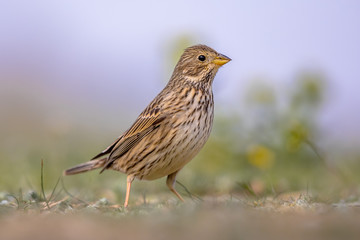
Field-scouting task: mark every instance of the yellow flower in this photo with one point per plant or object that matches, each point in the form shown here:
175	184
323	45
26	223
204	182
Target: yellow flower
260	156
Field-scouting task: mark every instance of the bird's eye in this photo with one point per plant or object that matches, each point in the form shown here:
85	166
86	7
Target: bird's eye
202	58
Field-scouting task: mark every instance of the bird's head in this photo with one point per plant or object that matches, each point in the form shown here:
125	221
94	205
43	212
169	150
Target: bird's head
199	64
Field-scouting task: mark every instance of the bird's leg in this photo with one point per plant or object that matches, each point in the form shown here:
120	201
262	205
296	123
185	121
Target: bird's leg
170	182
129	180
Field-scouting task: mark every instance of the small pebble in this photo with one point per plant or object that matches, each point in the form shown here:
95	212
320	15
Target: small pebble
4	202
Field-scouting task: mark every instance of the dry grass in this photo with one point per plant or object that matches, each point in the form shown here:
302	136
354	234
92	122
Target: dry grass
287	216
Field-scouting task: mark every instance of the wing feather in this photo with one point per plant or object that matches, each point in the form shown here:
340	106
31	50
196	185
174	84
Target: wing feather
108	149
143	125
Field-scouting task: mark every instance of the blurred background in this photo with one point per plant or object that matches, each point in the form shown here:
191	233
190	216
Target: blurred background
75	74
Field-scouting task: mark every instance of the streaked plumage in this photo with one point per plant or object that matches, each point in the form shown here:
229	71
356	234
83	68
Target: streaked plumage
172	129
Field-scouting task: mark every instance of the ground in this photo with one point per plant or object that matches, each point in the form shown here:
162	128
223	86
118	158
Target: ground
294	215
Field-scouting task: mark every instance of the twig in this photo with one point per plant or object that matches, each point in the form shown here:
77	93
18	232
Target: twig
42	184
247	187
53	191
68	193
58	194
188	192
315	150
320	156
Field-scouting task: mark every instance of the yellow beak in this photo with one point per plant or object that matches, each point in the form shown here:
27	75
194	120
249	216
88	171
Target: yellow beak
221	60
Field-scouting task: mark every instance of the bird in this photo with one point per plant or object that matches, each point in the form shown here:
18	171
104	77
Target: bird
171	130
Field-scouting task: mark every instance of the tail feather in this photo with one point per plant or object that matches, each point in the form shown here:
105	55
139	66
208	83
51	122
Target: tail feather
87	166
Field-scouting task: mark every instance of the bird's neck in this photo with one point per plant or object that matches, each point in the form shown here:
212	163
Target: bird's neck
203	82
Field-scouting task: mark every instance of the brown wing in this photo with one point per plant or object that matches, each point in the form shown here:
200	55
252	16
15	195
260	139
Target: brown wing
143	125
108	149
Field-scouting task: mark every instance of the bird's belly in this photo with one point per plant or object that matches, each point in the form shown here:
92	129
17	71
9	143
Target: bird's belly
185	143
180	153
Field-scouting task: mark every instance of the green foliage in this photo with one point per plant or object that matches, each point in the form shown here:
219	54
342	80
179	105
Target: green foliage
273	142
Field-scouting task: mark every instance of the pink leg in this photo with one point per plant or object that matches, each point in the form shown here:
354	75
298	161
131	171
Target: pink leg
129	180
170	182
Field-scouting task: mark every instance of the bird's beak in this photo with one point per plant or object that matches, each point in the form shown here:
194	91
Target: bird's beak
221	60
